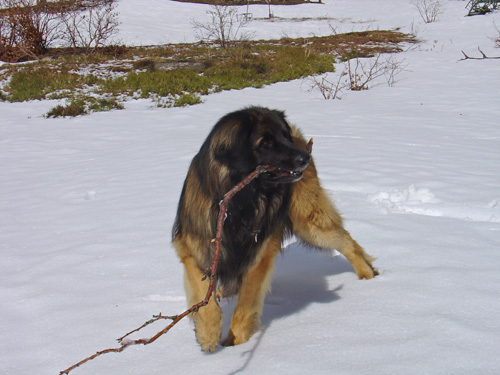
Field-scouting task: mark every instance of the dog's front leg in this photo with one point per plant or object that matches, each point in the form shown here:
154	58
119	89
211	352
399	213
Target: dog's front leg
251	295
316	221
208	319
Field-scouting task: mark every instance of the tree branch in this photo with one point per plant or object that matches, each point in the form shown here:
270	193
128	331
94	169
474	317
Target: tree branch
212	274
483	56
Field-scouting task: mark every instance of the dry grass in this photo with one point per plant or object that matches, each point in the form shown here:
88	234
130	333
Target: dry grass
195	69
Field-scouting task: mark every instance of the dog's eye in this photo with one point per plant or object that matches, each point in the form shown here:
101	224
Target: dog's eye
266	142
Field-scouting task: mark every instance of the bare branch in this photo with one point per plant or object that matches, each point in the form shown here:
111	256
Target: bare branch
211	287
27	29
359	75
328	89
483	56
224	26
212	272
150	321
429	10
91	27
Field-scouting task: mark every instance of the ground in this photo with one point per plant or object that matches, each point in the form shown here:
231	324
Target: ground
86	207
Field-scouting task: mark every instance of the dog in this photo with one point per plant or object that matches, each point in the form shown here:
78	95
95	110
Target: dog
288	200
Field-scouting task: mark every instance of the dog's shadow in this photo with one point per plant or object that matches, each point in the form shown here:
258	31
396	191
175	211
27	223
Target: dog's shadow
300	278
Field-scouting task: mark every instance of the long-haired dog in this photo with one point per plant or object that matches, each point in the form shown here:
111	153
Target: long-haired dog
288	200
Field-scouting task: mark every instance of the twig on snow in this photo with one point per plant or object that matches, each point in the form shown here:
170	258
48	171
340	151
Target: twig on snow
210	273
483	56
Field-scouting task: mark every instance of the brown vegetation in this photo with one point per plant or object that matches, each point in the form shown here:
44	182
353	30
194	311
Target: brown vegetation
29	27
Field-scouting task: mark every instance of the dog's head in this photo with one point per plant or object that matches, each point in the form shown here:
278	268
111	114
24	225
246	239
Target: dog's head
258	136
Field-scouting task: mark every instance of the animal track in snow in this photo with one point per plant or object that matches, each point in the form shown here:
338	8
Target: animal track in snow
423	202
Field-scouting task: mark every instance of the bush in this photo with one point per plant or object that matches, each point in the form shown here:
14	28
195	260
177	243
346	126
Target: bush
224	26
358	75
187	100
83	106
91	27
429	10
74	108
27	28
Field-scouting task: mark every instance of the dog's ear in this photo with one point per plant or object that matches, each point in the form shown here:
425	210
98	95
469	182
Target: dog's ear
282	117
233	149
224	153
280	114
238	155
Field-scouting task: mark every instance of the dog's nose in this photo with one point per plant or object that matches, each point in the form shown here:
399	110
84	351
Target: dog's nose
302	160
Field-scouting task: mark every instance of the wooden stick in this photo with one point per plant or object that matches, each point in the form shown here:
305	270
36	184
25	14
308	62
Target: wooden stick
212	273
483	56
154	319
211	287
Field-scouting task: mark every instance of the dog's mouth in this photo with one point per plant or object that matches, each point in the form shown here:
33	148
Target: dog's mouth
280	175
283	176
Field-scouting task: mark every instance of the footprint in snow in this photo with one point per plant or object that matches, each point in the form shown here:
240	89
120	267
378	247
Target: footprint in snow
424	202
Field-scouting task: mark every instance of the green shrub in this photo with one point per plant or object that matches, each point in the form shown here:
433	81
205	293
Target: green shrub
83	106
73	109
37	82
159	82
186	100
103	104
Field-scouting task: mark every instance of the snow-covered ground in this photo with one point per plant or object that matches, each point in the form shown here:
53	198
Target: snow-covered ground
86	207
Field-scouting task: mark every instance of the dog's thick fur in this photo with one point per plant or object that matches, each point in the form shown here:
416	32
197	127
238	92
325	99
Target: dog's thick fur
276	204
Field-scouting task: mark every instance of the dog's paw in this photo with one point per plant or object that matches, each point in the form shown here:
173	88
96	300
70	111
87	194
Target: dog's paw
362	265
241	333
209	346
232	340
208	340
368	274
208	330
367	271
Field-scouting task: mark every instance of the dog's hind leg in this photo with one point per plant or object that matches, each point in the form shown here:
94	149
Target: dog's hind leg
316	221
253	290
208	319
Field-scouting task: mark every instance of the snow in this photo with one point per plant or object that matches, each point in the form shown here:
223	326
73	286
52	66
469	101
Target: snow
87	203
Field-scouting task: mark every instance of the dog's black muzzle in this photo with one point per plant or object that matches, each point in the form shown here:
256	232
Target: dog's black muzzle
289	170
